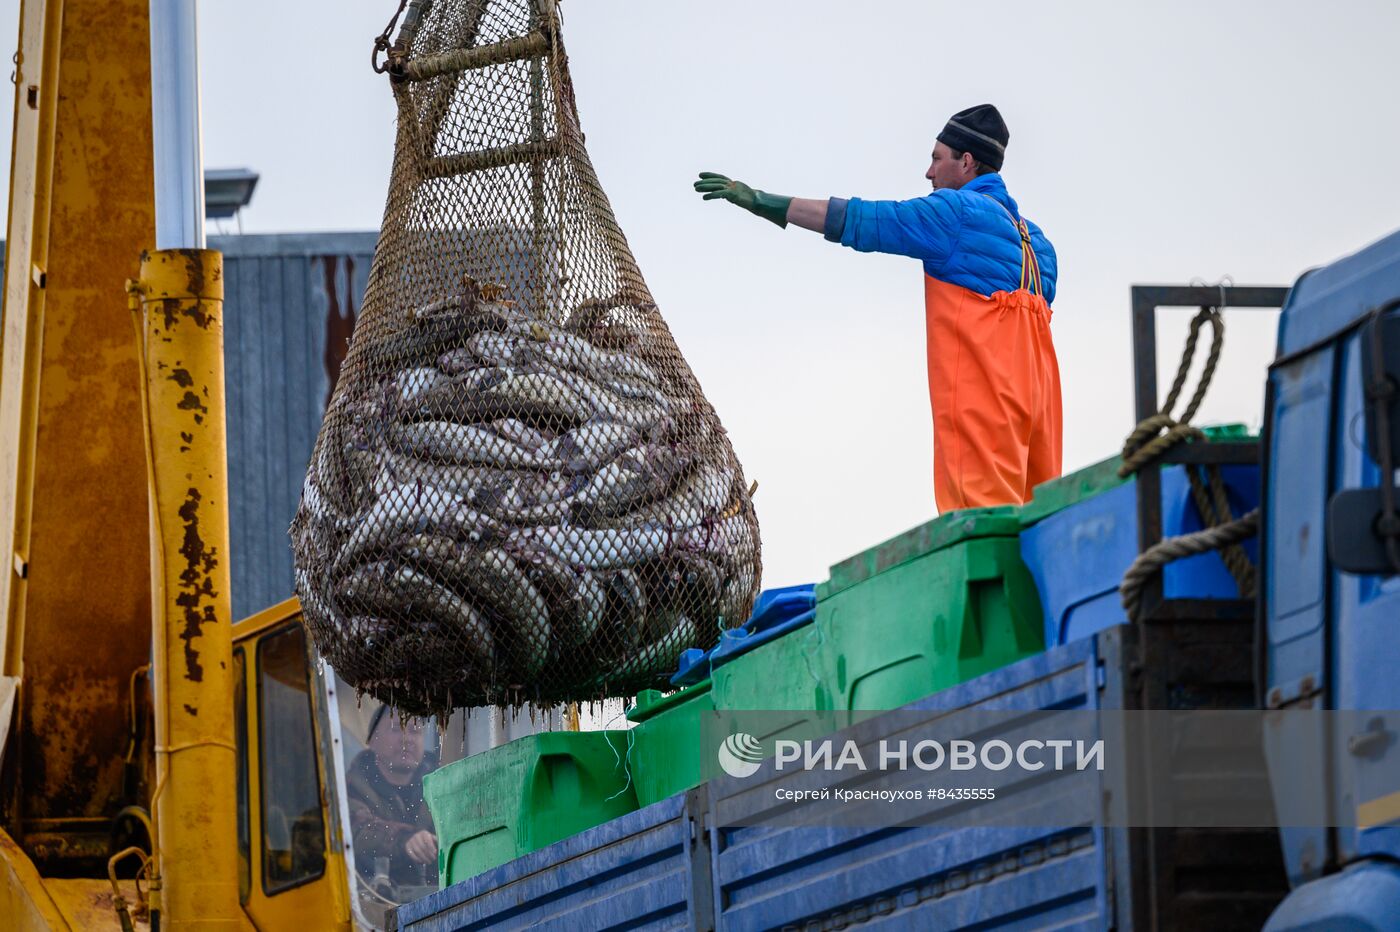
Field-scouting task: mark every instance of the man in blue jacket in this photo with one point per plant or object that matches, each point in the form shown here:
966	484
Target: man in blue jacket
989	278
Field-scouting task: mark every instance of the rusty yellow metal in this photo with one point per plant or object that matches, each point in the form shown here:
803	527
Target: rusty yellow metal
180	295
25	901
74	580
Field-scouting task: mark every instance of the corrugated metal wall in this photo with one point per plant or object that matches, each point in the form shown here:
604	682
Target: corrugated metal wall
290	301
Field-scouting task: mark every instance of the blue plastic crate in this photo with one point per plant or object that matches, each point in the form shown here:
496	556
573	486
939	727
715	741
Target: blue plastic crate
775	612
1077	556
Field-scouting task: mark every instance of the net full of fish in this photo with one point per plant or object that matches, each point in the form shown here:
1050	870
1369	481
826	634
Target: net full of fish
549	513
519	493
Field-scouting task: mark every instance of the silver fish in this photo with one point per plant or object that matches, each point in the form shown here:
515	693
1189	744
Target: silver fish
495	349
518	431
491	574
736	600
587	446
577	600
449	442
702	495
605	548
457	361
570	350
398	469
401	590
699	580
494	576
640	475
543	394
407	509
424	338
594	399
727	538
413	385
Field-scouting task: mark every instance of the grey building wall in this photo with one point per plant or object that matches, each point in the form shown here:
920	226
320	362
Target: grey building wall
290	301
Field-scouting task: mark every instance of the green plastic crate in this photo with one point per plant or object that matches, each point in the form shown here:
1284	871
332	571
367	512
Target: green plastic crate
784	678
786	673
940	604
493	807
665	753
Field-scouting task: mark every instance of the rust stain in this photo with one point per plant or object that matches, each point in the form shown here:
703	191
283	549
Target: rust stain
194	270
172	311
191	402
339	326
196	584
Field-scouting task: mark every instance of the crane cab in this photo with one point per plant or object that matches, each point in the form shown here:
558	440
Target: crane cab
311	785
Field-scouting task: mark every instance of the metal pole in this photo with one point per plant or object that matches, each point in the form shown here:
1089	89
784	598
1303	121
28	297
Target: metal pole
175	126
179	305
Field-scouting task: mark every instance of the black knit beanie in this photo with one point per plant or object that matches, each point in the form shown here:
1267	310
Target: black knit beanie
979	130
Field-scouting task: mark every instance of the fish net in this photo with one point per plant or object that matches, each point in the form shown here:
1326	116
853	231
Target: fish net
519	493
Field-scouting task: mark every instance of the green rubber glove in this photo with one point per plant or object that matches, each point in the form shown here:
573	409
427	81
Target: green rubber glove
771	207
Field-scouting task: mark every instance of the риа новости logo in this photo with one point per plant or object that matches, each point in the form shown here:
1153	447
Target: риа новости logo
740	755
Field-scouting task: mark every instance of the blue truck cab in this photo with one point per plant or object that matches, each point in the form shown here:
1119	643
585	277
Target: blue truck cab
1330	597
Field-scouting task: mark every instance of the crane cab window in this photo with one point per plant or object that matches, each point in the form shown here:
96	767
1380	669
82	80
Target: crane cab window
392	841
294	830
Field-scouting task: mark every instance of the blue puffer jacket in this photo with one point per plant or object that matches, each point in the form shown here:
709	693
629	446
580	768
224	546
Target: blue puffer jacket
964	237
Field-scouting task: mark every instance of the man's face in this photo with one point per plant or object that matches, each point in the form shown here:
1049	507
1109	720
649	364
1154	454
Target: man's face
398	745
947	172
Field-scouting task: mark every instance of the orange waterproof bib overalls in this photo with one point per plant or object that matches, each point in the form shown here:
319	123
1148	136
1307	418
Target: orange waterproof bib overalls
994	384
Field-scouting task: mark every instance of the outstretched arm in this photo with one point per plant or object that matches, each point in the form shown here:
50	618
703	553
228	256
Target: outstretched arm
808	213
923	228
805	212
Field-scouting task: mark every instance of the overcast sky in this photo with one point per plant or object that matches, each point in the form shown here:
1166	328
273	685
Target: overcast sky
1193	141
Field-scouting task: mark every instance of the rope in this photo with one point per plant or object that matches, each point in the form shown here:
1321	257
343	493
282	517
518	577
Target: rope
1152	438
1147	442
1151	561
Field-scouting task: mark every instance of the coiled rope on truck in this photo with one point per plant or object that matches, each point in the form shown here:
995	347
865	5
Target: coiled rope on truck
1151	560
1151	439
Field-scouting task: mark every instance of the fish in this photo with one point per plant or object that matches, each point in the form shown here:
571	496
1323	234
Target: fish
518	431
587	446
458	361
407	509
424	339
627	607
736	600
577	598
450	305
412	385
595	399
490	574
702	495
450	442
323	513
728	538
458	397
698	582
578	355
656	657
495	577
541	395
405	591
596	549
639	475
399	469
496	349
